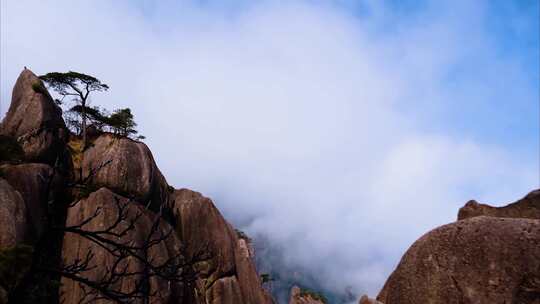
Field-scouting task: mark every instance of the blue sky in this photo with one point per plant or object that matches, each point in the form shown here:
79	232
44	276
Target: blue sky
512	34
311	122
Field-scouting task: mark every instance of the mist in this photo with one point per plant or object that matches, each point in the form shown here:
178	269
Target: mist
337	137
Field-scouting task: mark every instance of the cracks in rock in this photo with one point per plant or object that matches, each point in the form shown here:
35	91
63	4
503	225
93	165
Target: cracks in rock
229	274
460	291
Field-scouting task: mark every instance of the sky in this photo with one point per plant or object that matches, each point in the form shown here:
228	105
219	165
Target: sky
334	132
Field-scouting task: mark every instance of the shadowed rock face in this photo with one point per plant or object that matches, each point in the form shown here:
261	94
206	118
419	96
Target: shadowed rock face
33	182
131	172
13	218
297	297
34	120
229	264
76	247
527	207
479	260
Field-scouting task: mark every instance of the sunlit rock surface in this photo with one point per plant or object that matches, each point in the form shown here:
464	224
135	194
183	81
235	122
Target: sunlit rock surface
228	268
477	260
527	207
34	120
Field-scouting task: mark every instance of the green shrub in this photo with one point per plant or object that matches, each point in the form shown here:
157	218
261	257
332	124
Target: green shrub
38	87
265	278
242	235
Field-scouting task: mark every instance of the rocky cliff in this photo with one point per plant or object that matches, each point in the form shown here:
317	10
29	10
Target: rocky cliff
304	296
38	192
34	120
490	255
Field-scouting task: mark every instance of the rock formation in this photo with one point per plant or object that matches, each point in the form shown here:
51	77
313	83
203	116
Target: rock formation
33	182
302	296
490	255
13	216
115	170
128	169
229	266
76	247
477	260
367	300
527	207
34	120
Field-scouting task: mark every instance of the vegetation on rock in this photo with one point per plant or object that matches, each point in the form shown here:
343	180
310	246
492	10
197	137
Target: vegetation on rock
242	235
305	292
39	88
121	122
76	86
266	278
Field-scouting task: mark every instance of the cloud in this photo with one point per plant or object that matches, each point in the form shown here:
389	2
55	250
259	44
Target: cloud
339	139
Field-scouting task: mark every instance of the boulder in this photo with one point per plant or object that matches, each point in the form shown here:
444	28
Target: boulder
527	207
367	300
301	296
76	247
13	219
225	290
36	183
127	167
478	260
34	120
202	229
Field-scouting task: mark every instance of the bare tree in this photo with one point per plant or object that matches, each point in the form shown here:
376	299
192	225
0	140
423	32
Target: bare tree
114	239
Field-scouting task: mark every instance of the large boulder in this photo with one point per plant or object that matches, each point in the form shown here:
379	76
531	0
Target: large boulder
226	258
76	247
37	184
527	207
34	120
479	260
13	219
303	296
127	167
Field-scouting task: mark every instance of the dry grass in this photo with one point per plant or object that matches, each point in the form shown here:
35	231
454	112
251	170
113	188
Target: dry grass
75	146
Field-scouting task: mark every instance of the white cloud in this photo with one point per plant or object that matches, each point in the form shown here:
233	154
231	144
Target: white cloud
304	123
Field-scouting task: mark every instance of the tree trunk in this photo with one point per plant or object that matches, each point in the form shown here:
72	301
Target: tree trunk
83	104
